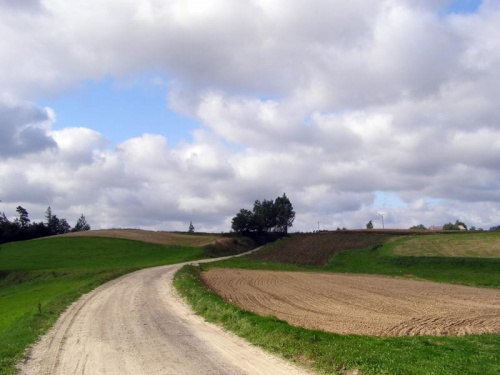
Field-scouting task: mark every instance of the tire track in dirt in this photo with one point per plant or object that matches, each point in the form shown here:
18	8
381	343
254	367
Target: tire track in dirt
361	304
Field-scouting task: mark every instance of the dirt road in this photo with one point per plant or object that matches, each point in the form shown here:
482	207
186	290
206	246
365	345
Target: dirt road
138	325
361	304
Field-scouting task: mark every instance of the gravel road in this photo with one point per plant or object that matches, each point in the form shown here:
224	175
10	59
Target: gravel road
137	324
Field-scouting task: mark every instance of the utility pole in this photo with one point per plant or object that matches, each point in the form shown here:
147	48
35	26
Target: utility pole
318	225
382	216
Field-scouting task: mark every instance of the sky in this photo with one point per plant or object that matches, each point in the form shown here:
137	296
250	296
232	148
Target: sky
152	114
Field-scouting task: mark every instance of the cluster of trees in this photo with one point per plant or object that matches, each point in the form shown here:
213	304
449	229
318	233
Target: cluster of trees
22	228
457	226
418	227
267	216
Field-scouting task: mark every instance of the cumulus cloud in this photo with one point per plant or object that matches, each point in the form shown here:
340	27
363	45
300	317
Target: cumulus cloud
24	129
328	101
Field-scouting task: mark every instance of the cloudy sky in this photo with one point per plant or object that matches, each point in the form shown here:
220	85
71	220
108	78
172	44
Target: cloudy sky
154	113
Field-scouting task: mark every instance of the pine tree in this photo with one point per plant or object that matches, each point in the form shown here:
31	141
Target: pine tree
81	225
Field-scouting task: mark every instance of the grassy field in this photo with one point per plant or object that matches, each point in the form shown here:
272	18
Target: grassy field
333	353
39	278
328	352
475	245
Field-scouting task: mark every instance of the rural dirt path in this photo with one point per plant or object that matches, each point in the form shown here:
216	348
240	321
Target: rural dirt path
137	324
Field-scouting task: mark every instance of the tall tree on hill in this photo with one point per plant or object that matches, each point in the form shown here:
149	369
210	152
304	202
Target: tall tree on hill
51	223
81	225
191	227
285	215
23	220
369	225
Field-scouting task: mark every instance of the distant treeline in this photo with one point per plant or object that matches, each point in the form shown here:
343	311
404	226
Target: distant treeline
23	229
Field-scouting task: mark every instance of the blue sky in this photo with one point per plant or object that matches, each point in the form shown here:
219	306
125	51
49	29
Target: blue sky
121	109
463	6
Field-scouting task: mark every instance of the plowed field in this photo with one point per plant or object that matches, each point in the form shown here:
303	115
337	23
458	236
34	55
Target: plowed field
367	305
316	249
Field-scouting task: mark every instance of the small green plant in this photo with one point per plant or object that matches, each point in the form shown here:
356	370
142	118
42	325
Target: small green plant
39	308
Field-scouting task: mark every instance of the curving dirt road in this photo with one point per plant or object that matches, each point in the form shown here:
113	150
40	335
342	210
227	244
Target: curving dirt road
138	325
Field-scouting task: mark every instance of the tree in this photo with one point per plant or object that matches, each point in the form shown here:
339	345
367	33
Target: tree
81	225
242	223
456	226
285	215
418	227
266	216
369	225
51	223
191	227
24	220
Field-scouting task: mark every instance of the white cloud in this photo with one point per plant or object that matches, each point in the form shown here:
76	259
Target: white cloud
326	101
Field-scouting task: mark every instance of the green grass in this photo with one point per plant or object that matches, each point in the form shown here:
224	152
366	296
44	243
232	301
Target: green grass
384	261
55	272
469	245
334	353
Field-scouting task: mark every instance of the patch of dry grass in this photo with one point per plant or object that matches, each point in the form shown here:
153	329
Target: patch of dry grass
473	245
160	238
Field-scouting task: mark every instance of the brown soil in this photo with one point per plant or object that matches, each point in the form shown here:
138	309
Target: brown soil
161	238
316	249
359	304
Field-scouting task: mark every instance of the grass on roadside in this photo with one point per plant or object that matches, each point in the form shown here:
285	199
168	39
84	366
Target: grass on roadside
39	279
334	353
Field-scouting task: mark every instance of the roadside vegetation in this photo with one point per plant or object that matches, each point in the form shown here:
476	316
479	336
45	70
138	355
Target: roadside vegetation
40	278
334	353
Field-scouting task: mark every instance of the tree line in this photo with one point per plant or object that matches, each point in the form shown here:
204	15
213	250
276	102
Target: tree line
266	217
22	228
